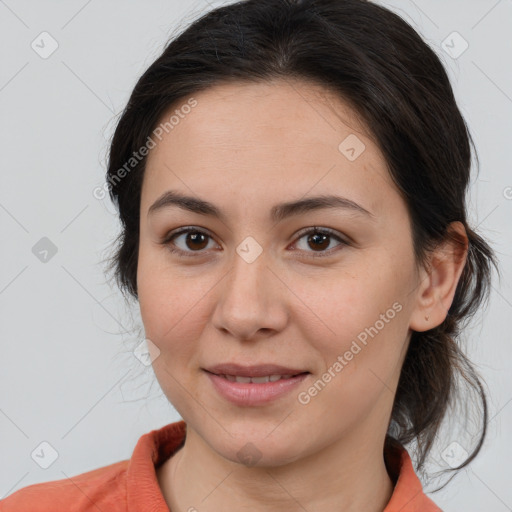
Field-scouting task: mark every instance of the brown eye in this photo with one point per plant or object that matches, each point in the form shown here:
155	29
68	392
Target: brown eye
195	240
187	241
318	241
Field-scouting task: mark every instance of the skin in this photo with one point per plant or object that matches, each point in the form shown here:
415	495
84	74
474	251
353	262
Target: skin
245	148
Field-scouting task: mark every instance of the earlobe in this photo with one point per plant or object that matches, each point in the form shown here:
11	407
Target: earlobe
438	284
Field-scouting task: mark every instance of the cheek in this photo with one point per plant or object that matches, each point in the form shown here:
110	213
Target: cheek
171	311
346	303
361	358
173	305
364	322
167	308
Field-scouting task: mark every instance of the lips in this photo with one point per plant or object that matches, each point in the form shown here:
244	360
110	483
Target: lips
272	371
258	386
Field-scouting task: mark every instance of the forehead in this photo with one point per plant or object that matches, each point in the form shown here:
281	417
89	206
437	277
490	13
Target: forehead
279	112
266	140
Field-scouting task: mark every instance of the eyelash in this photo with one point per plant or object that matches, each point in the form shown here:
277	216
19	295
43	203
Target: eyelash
321	231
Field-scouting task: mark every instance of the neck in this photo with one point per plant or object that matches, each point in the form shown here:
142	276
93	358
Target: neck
349	476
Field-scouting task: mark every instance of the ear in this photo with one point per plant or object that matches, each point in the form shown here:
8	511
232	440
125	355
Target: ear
437	284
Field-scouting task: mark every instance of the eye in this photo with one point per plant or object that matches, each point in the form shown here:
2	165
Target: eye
193	241
320	239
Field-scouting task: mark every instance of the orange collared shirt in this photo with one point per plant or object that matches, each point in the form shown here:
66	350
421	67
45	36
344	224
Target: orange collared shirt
132	485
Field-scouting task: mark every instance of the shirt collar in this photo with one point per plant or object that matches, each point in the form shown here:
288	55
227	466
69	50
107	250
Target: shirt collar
408	495
152	449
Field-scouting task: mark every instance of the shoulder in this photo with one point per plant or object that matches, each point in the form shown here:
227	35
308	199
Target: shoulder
103	488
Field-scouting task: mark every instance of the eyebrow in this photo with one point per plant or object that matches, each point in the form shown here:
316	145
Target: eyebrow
277	213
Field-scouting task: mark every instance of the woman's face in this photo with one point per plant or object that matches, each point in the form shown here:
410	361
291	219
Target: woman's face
254	286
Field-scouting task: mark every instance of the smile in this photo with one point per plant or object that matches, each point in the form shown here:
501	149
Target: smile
254	391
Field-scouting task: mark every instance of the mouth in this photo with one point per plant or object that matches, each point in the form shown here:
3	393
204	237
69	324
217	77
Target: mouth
257	380
254	385
254	373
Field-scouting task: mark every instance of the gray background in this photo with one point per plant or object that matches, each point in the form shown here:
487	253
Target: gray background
68	375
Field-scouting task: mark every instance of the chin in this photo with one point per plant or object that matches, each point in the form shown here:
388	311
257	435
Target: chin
258	450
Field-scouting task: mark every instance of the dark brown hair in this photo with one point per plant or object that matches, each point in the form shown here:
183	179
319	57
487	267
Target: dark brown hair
379	64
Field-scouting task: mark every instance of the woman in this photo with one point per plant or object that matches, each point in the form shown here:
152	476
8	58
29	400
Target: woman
291	180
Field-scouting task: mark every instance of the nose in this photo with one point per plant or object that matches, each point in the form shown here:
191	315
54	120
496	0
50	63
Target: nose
251	300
